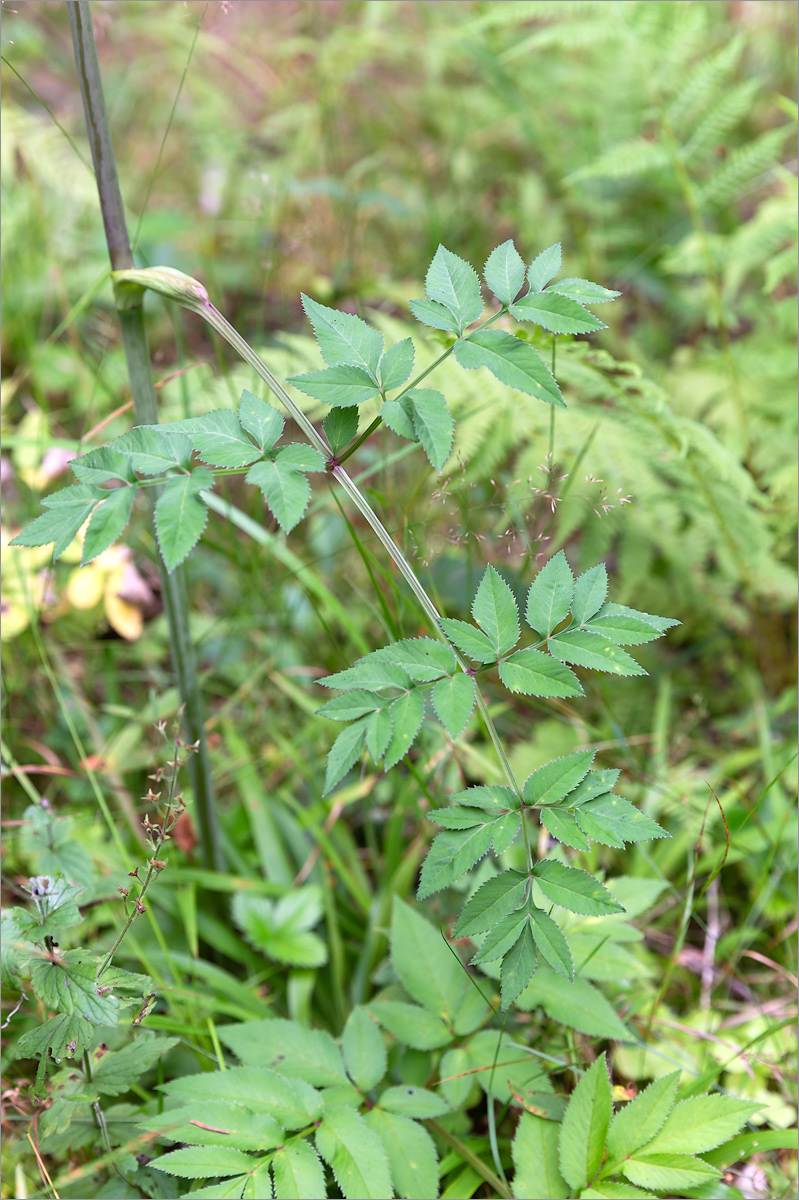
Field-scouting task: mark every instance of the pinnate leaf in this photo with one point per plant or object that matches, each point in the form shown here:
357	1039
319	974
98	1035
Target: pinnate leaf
396	365
432	424
551	943
341	426
107	523
587	649
534	673
469	640
585	1125
590	591
550	595
556	313
493	900
453	700
180	515
438	316
285	489
343	337
218	438
514	362
261	420
453	282
343	753
406	720
504	272
553	781
575	890
66	512
544	267
340	386
494	609
613	821
583	291
579	1005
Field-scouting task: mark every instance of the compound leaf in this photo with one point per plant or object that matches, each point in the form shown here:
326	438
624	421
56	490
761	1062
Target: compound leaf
544	267
573	889
494	609
585	1126
344	338
550	595
396	365
180	515
504	272
534	673
107	523
432	424
553	781
453	700
535	1159
514	362
556	313
590	590
518	968
285	489
453	282
340	386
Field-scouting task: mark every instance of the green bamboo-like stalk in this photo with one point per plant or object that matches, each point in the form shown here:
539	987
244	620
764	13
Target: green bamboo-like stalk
137	354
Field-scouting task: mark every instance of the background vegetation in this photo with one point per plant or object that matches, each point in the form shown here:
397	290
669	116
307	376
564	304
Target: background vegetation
328	148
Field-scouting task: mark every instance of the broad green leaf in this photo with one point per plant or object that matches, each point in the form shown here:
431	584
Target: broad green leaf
504	272
492	901
218	1123
640	1120
103	464
280	929
343	337
452	282
398	415
534	673
502	936
451	855
535	1159
424	659
355	1155
578	1005
553	781
64	1036
107	522
202	1162
396	365
473	1010
574	889
299	1053
152	452
379	728
453	700
583	291
412	1102
701	1123
456	1083
68	983
556	313
469	640
340	386
411	1154
493	798
514	362
118	1069
66	512
299	457
616	1191
432	424
563	826
550	595
217	437
351	705
588	649
407	713
614	821
518	968
427	968
370	672
504	1066
341	426
180	515
494	609
505	831
286	491
596	783
297	1172
343	754
551	943
544	267
290	1102
585	1126
674	1173
415	1026
364	1050
428	312
234	1188
261	420
590	591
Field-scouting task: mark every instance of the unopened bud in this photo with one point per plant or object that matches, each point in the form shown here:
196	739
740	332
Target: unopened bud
164	280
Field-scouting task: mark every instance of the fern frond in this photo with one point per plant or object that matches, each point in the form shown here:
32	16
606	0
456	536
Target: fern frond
743	166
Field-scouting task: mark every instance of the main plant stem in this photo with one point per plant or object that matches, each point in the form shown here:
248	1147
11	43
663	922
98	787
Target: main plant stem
137	354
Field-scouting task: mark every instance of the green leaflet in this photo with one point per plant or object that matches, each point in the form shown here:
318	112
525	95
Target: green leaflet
590	591
297	1172
502	936
343	754
344	338
379	729
668	1172
107	523
438	316
536	674
351	705
504	272
453	699
66	512
286	490
290	1102
433	425
451	855
407	713
588	649
153	452
494	609
626	627
585	1126
639	1121
550	595
281	929
427	969
364	1050
372	672
514	362
544	267
701	1123
339	386
553	781
181	514
218	1123
518	968
556	313
579	1005
118	1069
341	426
202	1162
469	640
415	1026
261	420
411	1154
398	415
453	282
583	291
412	1102
300	1054
102	465
535	1159
574	889
564	827
551	943
396	365
492	901
493	798
614	821
355	1154
595	783
218	438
